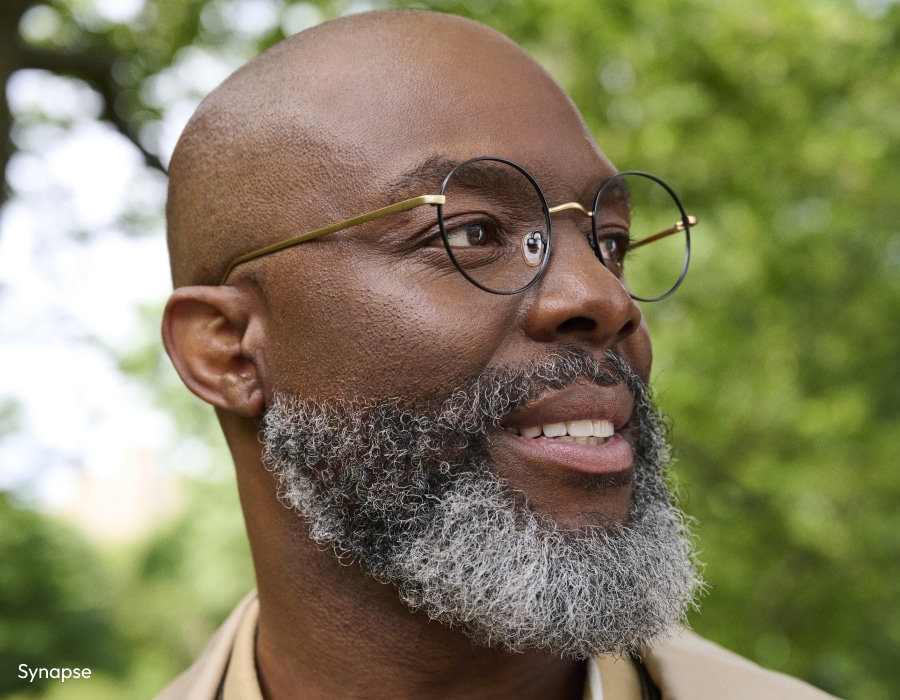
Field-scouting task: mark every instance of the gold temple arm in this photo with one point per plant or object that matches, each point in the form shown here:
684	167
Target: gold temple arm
692	221
405	205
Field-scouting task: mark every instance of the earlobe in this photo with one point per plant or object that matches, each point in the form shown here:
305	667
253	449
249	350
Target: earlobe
206	333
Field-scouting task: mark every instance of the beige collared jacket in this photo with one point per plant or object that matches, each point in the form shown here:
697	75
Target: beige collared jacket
686	667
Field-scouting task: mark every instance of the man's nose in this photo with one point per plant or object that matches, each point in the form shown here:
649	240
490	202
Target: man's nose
578	300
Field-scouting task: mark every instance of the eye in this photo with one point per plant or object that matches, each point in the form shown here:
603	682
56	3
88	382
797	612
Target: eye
612	249
472	235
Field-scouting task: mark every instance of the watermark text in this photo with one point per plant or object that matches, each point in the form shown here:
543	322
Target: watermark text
60	674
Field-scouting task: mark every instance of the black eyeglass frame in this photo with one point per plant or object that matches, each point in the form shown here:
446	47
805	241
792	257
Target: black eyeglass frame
684	224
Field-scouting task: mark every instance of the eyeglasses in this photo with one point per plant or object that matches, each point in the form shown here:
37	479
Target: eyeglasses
495	225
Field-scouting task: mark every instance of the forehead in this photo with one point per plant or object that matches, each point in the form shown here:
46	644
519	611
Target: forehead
540	131
449	91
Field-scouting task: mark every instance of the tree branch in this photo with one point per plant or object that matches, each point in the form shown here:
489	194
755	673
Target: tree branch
96	69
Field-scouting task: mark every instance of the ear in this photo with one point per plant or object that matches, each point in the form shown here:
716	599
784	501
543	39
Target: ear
209	335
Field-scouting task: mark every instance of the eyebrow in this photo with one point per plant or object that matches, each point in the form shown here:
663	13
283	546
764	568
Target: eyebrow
429	173
487	174
616	192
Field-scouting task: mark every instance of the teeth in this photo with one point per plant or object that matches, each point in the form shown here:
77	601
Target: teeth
584	432
580	428
590	440
554	429
602	428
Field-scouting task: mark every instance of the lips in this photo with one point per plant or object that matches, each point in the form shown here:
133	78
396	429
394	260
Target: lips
579	428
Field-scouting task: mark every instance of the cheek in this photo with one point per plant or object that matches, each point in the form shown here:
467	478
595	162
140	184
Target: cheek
638	350
373	331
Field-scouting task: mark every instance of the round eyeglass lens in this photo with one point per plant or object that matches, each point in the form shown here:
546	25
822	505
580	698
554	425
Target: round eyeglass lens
495	224
642	234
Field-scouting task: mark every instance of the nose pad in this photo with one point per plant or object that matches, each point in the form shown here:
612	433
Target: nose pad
534	246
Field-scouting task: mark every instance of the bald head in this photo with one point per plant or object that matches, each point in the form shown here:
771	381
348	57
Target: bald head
322	126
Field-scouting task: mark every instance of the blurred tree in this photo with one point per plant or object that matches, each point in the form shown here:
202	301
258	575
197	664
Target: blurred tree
11	59
174	590
55	39
779	360
54	601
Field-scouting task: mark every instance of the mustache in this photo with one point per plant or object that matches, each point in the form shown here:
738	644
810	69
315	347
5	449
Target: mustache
497	392
448	431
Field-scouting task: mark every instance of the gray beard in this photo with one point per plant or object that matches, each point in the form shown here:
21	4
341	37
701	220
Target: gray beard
407	489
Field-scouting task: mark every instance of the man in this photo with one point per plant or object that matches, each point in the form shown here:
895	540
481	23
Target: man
398	259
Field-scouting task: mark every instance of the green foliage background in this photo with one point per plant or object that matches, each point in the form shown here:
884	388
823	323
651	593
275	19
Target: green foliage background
779	360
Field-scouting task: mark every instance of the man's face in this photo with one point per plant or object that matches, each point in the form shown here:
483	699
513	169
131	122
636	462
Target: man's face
429	427
377	311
